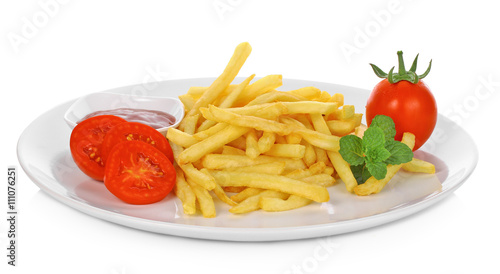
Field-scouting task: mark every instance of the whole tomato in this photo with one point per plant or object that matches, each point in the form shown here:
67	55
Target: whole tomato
406	99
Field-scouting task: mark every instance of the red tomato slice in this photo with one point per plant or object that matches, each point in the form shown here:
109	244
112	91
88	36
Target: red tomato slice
138	173
85	143
139	132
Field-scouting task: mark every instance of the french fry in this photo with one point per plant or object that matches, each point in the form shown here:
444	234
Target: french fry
322	179
277	204
286	150
275	168
203	179
421	166
252	148
260	86
190	124
181	138
274	96
184	192
303	173
228	101
252	203
323	97
223	116
219	192
272	182
346	112
204	199
219	161
309	93
266	141
344	127
188	101
240	54
310	107
341	166
324	141
337	97
309	154
201	135
373	185
198	150
246	193
239	143
268	111
234	189
229	150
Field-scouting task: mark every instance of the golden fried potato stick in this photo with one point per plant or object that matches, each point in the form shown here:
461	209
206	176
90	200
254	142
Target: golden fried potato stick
239	57
373	185
201	135
210	144
275	168
203	179
272	182
229	150
275	96
181	138
246	193
188	101
309	93
337	97
324	108
228	101
252	203
252	149
277	204
259	87
222	161
224	116
341	166
303	173
266	141
309	154
219	192
322	179
417	165
286	150
190	124
204	199
324	141
184	192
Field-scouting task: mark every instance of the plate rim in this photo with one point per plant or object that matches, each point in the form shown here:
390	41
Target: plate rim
253	234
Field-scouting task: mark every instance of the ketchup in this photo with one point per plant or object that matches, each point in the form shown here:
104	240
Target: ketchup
154	118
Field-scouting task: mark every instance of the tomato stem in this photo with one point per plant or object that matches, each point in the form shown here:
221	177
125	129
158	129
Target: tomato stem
410	76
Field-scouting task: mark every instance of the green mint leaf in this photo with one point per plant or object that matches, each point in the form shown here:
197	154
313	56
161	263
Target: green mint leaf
351	149
400	153
378	170
357	171
361	173
372	138
377	154
386	124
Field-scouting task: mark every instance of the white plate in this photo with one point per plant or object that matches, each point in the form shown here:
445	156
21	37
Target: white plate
43	152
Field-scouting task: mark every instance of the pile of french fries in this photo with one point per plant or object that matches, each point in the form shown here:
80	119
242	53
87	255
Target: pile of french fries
258	148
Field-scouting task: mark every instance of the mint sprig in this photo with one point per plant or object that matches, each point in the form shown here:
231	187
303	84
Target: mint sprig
370	155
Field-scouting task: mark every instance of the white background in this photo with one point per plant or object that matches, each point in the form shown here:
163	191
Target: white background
79	47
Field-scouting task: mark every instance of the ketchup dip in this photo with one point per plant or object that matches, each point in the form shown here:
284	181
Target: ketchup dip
153	118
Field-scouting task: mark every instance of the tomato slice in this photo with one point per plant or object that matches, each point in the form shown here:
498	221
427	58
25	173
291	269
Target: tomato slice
139	132
85	143
138	173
